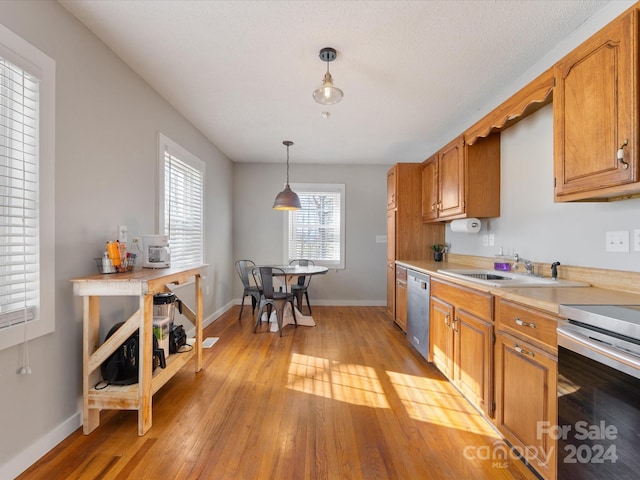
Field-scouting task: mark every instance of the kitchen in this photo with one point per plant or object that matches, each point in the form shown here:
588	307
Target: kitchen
533	226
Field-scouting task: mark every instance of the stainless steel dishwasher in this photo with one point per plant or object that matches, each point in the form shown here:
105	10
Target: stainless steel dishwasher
418	295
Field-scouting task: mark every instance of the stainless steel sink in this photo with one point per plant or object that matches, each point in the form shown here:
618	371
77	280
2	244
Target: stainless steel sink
493	278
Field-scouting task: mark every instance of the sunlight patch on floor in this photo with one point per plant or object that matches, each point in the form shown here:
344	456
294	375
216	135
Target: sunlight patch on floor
355	384
432	400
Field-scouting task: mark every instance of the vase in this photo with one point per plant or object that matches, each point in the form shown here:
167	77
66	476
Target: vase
437	256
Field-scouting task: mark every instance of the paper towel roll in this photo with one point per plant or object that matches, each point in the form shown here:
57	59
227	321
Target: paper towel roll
466	225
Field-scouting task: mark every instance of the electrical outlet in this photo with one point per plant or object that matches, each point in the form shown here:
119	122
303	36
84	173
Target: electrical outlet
617	241
492	239
485	240
636	240
381	239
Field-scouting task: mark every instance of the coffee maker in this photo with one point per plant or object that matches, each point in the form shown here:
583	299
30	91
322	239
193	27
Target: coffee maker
155	251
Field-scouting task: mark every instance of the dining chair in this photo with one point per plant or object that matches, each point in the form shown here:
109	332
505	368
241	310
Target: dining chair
244	267
272	298
301	287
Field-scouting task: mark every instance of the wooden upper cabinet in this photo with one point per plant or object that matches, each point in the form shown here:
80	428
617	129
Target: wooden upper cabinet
391	188
451	179
595	111
462	180
430	189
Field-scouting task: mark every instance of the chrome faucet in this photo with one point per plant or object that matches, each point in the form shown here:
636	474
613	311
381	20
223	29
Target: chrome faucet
528	264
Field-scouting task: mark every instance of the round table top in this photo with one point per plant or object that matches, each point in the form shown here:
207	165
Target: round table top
300	270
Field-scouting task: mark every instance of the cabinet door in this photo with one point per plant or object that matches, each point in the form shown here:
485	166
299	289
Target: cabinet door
391	235
526	383
441	336
473	359
391	188
391	289
401	304
391	258
430	189
593	109
451	179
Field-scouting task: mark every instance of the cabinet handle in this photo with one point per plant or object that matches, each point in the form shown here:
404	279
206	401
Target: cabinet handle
620	154
446	319
453	326
524	324
433	207
522	351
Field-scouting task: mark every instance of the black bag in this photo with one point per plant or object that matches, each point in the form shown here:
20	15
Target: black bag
121	368
177	338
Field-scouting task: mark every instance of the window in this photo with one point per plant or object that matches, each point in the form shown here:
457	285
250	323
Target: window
181	203
27	302
316	231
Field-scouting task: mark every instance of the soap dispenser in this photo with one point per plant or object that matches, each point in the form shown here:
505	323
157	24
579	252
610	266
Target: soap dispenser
501	262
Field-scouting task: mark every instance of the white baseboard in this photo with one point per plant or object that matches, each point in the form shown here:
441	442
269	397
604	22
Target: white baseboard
30	455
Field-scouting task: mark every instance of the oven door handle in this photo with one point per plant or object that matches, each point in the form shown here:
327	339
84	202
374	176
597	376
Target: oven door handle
598	351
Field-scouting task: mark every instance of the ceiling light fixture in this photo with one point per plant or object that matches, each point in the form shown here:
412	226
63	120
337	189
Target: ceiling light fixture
327	94
287	199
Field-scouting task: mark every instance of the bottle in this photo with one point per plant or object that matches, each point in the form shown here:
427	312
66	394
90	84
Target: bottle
106	263
113	248
501	262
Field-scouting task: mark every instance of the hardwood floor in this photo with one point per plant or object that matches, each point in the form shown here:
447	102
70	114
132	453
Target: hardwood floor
347	399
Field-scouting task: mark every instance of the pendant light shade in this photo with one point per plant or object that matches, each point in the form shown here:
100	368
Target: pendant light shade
327	94
287	199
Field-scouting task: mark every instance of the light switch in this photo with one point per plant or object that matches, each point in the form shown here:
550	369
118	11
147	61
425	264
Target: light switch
636	240
381	239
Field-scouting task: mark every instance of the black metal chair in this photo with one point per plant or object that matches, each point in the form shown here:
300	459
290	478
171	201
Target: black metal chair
244	267
302	286
271	298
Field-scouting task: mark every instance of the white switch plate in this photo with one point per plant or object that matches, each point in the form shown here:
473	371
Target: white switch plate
636	240
485	240
122	233
381	239
618	241
492	239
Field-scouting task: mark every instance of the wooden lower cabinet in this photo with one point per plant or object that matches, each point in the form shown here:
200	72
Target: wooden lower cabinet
401	297
473	359
526	400
461	342
441	336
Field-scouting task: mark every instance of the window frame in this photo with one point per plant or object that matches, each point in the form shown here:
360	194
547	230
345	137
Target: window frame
29	58
301	188
182	154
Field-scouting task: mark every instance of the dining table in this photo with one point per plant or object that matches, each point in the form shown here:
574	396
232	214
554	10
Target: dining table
291	273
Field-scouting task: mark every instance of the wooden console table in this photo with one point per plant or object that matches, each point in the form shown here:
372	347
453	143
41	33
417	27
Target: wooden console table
144	283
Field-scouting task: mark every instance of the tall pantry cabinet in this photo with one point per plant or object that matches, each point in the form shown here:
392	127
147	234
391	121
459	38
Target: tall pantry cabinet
407	237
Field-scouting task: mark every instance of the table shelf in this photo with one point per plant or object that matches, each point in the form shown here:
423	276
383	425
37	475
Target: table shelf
143	284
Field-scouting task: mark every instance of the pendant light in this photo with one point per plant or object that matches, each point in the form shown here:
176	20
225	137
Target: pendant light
327	94
287	199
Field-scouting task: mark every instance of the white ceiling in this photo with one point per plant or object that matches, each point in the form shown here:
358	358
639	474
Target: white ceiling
243	72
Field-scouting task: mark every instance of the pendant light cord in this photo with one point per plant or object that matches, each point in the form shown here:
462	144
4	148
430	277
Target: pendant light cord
287	165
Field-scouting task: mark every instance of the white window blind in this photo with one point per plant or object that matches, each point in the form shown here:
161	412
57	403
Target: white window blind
19	226
316	231
183	209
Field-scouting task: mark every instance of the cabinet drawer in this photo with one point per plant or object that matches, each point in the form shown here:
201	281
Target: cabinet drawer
526	322
401	273
477	303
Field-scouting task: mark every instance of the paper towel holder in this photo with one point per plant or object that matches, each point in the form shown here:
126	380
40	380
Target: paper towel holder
466	225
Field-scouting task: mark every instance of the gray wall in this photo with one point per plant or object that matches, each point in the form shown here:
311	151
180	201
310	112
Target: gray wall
259	230
107	119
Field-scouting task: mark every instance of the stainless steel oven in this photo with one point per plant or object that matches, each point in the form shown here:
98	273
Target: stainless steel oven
598	428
